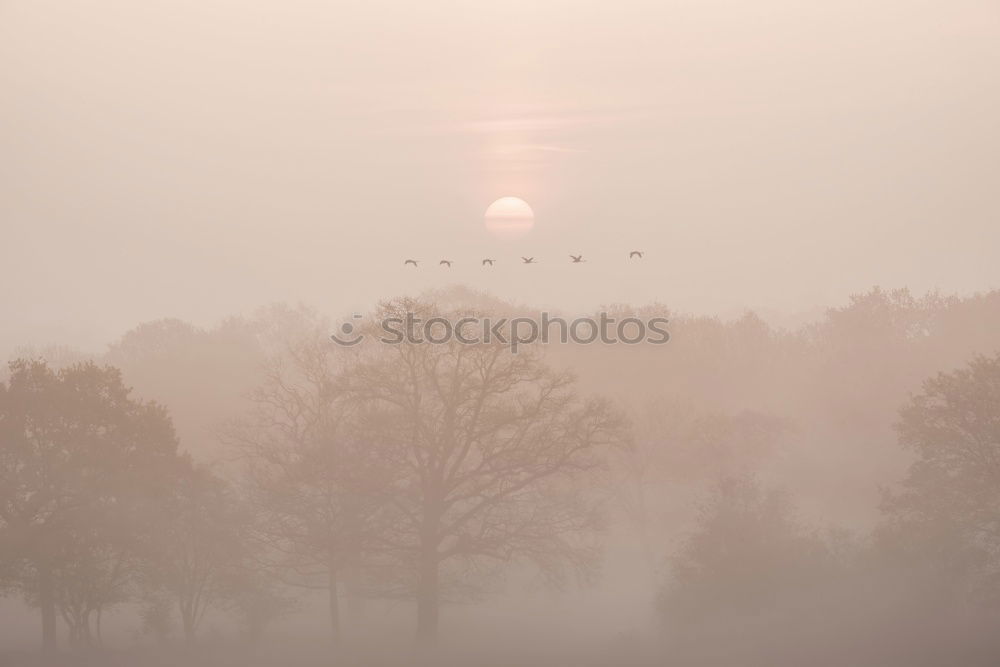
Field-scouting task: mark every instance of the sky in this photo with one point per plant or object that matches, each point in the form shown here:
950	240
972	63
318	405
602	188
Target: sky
197	159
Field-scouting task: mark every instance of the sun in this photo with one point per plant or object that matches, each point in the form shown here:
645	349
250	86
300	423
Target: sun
509	218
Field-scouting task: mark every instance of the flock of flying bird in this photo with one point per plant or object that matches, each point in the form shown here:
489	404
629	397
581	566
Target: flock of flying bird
574	259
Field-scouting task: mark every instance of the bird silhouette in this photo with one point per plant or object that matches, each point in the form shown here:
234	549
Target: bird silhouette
528	260
410	261
446	262
488	261
635	253
576	258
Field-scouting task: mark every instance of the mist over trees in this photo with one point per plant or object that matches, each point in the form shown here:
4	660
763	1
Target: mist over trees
766	496
945	512
81	461
489	451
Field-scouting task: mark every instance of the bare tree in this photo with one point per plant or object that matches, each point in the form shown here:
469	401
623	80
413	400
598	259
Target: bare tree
489	450
97	575
309	469
197	546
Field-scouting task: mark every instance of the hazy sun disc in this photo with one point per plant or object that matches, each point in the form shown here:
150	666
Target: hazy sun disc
509	218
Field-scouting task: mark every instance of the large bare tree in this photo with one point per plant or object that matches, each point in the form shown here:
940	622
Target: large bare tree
490	451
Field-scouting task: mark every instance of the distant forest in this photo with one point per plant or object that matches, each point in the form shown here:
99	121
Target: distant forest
766	493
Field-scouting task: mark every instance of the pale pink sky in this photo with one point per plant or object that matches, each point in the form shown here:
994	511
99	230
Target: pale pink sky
199	158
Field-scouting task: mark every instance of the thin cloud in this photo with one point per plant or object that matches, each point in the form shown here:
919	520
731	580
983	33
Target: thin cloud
548	121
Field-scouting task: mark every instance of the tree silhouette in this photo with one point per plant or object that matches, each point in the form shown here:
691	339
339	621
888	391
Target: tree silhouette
310	472
948	501
81	460
746	549
197	547
675	445
489	449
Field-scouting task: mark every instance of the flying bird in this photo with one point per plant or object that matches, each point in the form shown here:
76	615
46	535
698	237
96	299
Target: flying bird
410	261
446	262
634	254
528	260
488	261
576	258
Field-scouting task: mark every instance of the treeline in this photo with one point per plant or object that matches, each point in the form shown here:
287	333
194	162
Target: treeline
827	490
751	582
411	471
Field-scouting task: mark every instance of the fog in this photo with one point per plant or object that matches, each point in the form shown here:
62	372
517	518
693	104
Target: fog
195	159
198	199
